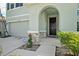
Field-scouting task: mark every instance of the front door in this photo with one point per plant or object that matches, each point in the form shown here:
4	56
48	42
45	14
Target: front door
52	26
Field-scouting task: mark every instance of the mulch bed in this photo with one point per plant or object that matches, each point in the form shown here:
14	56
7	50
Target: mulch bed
62	51
33	48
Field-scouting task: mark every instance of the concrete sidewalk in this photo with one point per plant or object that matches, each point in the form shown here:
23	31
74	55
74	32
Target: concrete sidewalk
47	48
50	41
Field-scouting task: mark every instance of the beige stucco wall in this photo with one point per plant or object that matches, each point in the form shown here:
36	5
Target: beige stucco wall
78	18
42	22
17	11
18	21
67	16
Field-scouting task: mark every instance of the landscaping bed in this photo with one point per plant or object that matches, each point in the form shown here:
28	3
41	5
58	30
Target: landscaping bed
62	51
71	41
33	48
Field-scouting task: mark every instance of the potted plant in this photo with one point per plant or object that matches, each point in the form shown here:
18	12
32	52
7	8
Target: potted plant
71	41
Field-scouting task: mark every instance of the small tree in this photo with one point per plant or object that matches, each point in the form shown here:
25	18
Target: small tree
29	44
70	40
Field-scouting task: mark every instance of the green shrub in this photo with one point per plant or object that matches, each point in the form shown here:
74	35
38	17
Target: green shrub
29	44
70	40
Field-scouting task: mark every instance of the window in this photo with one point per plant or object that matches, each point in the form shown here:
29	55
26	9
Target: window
12	5
77	26
7	6
19	4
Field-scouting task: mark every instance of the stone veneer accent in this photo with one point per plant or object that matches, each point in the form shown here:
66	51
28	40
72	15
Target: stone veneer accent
35	37
42	34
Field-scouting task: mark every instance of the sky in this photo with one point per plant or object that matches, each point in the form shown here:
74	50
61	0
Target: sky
3	8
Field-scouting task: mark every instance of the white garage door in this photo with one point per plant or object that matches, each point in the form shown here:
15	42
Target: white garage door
19	28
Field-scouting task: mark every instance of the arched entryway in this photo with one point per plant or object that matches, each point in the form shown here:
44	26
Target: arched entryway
49	22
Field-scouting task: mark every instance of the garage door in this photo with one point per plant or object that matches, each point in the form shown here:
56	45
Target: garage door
19	28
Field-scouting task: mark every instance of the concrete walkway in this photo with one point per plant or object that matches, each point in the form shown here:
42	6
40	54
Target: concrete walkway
47	48
50	41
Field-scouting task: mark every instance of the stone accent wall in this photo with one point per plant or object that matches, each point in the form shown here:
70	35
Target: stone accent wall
42	34
35	37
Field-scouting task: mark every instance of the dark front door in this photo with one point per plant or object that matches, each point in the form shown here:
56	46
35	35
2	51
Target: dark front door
52	26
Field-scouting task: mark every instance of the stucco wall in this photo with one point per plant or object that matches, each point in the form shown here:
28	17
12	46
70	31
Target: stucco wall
42	22
17	11
67	15
78	18
18	21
